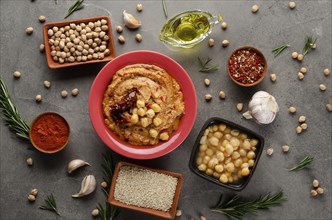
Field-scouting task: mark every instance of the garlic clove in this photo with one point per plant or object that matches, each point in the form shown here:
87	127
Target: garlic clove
247	115
88	186
130	21
75	164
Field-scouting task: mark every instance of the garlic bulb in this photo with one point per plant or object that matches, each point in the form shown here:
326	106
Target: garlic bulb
130	21
262	107
88	186
75	164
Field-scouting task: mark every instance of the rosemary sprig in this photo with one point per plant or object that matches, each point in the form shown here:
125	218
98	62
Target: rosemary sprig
50	204
75	7
204	65
276	51
11	116
309	44
109	212
165	8
302	164
236	208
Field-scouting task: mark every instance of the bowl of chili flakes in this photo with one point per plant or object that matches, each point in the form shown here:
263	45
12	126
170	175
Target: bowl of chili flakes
246	66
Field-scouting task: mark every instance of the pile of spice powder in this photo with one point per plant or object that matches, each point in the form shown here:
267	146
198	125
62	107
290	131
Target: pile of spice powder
49	132
145	188
246	66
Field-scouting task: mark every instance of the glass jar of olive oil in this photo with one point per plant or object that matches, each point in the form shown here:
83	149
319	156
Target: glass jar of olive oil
188	28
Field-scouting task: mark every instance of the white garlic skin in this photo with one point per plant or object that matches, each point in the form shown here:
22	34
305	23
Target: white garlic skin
88	186
130	21
263	107
75	164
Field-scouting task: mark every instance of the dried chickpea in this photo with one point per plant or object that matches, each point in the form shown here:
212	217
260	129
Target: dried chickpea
178	213
209	152
302	119
251	155
95	212
242	152
254	8
212	163
235	132
222	127
222	95
29	30
303	70
220	156
225	43
213	141
229	149
218	134
239	106
235	155
206	159
315	183
326	72
139	7
292	109
29	161
322	87
64	93
31	198
224	25
208	97
38	98
223	178
273	77
313	193
269	151
199	161
295	55
153	133
164	136
206	82
251	162
298	130
300	57
209	171
216	175
300	76
138	37
291	5
245	171
211	42
157	121
17	74
304	126
121	39
238	162
320	190
230	167
246	145
285	148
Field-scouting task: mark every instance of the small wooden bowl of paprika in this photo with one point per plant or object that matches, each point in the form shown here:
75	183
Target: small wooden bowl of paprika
49	132
246	66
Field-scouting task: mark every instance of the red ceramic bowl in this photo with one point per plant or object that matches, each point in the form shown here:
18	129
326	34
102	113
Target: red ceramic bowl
104	78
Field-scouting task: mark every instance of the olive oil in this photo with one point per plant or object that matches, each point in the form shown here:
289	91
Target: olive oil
187	29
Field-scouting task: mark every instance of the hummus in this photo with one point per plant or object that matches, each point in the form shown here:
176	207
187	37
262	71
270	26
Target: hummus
143	104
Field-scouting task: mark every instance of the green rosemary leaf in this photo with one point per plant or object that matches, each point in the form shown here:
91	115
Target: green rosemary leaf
11	116
236	208
75	7
302	164
309	44
278	50
204	65
109	212
165	8
50	204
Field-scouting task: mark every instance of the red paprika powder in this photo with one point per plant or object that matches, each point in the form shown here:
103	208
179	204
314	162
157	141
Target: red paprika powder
49	132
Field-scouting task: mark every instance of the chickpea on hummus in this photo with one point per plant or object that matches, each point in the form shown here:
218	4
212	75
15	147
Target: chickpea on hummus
143	104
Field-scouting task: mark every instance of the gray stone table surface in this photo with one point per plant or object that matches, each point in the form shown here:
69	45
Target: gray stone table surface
273	25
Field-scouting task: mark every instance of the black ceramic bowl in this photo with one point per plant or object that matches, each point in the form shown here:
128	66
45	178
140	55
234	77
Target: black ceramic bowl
242	183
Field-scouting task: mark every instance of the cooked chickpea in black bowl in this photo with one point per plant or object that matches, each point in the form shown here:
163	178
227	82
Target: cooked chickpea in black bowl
226	153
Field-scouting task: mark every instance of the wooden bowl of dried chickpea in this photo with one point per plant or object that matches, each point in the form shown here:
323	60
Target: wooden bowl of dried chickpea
77	42
226	153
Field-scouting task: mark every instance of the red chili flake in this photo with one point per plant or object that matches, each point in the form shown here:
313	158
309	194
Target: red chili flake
246	66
